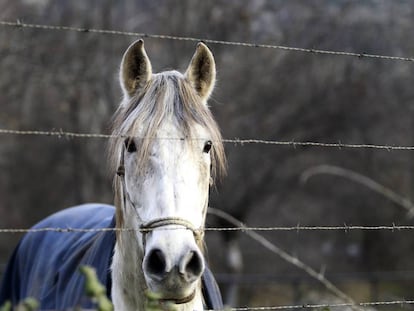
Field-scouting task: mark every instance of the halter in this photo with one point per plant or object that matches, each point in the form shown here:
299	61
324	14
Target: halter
158	223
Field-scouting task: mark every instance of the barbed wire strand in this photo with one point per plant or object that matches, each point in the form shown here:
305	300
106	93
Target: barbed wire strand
20	24
235	141
60	133
327	305
345	228
287	257
309	306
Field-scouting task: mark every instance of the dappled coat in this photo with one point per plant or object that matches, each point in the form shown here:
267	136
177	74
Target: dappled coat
45	265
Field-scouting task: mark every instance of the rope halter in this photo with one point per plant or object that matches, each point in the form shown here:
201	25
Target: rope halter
171	221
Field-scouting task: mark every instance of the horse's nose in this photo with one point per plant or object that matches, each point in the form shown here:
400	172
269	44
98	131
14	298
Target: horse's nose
155	264
158	266
191	266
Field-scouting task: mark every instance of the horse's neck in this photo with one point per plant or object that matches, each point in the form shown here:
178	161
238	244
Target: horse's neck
128	282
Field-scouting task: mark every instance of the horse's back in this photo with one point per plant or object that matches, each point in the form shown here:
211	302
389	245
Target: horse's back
45	264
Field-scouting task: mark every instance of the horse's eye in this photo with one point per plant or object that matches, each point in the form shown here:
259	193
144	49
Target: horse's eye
207	146
130	145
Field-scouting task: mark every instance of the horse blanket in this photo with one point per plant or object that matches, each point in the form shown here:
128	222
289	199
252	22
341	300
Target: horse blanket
45	265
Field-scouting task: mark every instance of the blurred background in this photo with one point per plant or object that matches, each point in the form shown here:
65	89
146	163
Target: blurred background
53	80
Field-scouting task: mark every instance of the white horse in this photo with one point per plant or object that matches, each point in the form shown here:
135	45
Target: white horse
165	152
165	164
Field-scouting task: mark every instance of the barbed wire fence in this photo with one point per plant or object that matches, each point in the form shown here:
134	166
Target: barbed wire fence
250	231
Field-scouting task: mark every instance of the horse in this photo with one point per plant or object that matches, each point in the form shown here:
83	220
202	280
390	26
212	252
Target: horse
165	152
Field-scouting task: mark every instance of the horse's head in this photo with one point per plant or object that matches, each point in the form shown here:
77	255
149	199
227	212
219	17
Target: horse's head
168	149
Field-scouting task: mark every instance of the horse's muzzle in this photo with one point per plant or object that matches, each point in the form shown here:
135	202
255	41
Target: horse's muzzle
171	277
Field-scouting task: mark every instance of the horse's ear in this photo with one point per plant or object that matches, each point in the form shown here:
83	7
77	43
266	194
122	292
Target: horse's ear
202	71
136	69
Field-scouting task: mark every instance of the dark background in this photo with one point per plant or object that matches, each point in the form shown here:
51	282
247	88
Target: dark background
52	80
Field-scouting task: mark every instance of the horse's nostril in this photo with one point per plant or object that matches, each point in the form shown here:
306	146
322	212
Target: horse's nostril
192	266
155	263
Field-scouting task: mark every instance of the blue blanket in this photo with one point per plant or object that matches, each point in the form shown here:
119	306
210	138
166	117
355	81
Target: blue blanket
45	265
